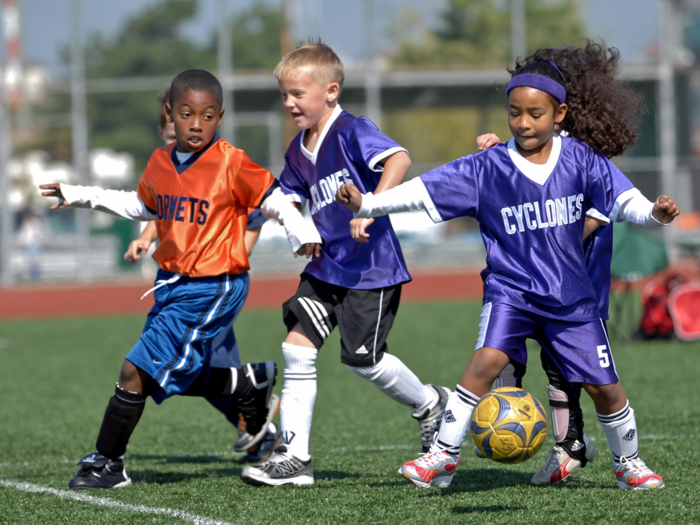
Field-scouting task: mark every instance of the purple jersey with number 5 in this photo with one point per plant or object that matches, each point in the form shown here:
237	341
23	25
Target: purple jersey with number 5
349	150
531	219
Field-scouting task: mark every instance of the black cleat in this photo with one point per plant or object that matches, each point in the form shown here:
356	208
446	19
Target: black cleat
257	405
99	472
261	452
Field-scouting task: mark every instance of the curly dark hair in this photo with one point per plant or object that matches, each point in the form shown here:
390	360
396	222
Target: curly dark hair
603	112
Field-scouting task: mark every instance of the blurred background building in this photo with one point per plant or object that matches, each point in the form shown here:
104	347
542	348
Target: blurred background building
80	78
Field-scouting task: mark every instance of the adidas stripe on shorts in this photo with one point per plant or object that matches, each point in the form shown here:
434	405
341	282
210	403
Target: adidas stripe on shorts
363	317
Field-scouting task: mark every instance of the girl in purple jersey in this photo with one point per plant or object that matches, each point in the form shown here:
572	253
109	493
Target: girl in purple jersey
530	197
573	448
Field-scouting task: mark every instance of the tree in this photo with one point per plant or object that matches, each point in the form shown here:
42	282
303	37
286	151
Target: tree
478	32
152	43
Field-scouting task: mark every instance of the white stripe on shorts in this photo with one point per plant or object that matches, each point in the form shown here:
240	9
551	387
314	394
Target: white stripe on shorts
607	340
483	324
195	333
318	315
376	331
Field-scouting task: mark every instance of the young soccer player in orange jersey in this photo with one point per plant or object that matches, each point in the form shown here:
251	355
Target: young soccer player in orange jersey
225	352
198	191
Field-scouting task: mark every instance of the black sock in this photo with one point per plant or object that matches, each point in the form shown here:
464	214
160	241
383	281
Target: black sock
123	413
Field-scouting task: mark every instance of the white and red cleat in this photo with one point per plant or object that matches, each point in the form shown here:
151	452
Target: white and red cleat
560	465
635	475
435	469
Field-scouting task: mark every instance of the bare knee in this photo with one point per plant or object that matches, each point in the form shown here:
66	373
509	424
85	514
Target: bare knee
483	369
608	399
133	379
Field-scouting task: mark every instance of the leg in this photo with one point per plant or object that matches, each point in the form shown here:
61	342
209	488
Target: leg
291	463
364	321
105	468
573	449
436	468
502	334
582	353
225	354
299	392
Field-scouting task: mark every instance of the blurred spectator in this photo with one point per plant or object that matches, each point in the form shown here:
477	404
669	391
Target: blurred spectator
30	236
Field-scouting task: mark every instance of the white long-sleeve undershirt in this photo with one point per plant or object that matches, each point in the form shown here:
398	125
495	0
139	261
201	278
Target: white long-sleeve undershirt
129	205
299	231
125	204
413	195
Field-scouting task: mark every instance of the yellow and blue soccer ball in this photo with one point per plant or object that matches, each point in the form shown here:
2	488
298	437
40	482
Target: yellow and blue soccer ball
509	425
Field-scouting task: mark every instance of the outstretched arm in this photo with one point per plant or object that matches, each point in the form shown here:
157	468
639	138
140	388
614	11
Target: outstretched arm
395	169
640	210
125	204
408	196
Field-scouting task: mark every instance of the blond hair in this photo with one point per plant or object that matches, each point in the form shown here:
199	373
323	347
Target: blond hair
315	57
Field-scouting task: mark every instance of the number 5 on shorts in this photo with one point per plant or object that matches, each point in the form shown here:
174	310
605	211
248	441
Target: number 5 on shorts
604	356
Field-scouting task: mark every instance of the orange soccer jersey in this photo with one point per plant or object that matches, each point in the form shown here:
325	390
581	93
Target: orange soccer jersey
202	211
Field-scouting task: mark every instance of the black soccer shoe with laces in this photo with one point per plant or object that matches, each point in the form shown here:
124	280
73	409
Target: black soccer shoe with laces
261	452
257	404
99	472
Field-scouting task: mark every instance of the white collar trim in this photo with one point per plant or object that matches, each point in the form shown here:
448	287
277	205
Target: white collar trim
313	156
538	173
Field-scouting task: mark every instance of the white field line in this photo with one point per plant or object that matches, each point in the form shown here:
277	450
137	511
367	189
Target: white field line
105	502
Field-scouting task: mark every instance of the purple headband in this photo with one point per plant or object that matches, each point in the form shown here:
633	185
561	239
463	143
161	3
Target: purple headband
540	82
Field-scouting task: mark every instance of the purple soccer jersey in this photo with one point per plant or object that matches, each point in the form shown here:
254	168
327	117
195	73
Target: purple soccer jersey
349	149
598	253
531	219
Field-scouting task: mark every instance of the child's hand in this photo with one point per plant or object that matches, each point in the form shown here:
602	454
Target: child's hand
54	191
309	249
665	209
358	227
136	248
349	195
486	141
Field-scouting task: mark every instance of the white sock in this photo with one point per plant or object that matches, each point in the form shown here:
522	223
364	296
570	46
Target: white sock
621	432
455	422
298	398
397	381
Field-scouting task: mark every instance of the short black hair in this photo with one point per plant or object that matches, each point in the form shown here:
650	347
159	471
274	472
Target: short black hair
196	80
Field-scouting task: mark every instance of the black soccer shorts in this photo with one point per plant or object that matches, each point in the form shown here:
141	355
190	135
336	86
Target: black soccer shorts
364	317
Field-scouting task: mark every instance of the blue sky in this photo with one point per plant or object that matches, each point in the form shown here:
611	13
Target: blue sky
629	25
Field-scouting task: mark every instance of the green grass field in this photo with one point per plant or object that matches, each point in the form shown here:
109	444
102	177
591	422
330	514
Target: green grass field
57	375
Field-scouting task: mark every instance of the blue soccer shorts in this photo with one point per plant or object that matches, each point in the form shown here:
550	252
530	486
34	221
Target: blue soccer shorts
581	351
189	313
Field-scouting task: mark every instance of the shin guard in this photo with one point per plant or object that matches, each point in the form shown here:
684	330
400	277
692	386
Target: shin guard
123	413
559	411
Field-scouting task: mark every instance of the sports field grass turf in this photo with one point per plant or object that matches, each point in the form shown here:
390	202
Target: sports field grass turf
56	377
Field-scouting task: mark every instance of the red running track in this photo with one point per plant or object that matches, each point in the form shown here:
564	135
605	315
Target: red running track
119	298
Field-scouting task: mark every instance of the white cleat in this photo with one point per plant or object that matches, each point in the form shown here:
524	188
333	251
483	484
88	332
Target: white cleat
559	465
633	474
